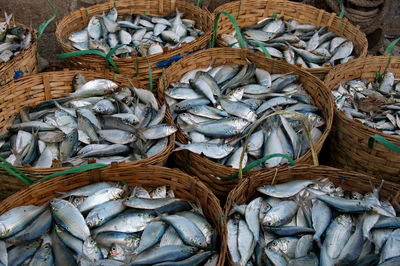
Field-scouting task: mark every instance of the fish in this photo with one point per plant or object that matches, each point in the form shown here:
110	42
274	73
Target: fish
110	230
220	104
145	35
76	129
296	43
370	102
13	39
298	228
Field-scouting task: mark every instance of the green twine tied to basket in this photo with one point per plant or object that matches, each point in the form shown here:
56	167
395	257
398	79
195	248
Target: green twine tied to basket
14	171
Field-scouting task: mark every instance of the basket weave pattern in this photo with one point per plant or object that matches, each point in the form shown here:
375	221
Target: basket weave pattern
252	11
31	90
135	66
206	169
349	142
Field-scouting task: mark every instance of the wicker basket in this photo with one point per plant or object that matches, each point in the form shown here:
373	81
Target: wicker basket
252	11
349	141
136	66
350	181
182	184
206	169
31	90
368	19
25	63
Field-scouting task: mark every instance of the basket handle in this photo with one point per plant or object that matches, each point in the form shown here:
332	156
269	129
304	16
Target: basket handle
107	57
258	162
235	25
391	146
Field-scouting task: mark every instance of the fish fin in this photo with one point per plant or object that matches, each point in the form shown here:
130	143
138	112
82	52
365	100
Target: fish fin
7	18
232	211
179	148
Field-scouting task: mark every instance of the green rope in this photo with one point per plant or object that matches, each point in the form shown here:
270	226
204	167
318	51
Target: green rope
15	171
235	25
150	76
258	162
75	170
44	25
106	57
265	51
198	3
384	142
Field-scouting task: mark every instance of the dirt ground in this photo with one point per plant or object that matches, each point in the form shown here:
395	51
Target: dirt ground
35	12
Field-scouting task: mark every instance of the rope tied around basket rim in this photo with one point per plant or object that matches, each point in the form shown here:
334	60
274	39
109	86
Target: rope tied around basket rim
294	116
11	169
107	57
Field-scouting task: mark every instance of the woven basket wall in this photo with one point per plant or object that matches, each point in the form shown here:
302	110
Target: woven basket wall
350	181
349	140
136	66
183	185
249	12
368	15
31	90
25	63
208	170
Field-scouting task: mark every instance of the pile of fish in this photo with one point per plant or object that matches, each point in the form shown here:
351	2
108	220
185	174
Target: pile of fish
12	39
108	224
99	120
141	34
312	222
375	104
300	44
217	106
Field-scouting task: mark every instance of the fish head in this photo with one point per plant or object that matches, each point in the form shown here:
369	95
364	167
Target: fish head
47	250
271	220
116	252
94	220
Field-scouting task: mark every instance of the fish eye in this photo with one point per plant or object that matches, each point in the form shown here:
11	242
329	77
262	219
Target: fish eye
274	243
113	249
92	242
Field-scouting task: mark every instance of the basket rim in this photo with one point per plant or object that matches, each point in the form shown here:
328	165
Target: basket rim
62	39
30	169
346	22
244	53
353	123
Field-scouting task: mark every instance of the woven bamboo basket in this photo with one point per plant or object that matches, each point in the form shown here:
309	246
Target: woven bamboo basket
136	66
348	180
183	185
249	12
31	90
349	140
25	63
208	170
368	19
